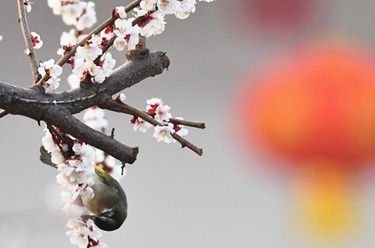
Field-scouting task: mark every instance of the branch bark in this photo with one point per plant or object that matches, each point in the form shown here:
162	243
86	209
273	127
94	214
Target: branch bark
57	109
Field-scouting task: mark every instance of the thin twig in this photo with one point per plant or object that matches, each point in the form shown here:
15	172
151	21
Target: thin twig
200	125
116	106
141	46
27	39
96	31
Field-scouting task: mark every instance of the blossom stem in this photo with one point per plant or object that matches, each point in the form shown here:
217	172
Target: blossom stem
27	39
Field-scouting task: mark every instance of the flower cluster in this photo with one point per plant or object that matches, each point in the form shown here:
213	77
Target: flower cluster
152	14
84	234
89	60
126	34
75	12
160	112
52	70
74	160
180	8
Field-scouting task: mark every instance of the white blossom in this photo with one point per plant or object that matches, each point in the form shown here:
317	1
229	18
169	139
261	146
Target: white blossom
167	6
140	12
47	142
133	39
107	63
74	81
80	231
36	40
148	5
107	34
89	51
27	5
154	24
140	124
121	98
71	12
68	39
163	133
51	85
55	5
49	67
184	8
152	104
56	156
94	117
120	12
123	27
99	76
162	113
120	43
88	19
123	30
84	191
101	245
179	129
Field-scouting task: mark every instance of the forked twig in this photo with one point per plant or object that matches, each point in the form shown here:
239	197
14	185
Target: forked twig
116	106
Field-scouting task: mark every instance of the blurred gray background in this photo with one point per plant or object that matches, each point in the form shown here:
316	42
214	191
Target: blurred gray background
176	198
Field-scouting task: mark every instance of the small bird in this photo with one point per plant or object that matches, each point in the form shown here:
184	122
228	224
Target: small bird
109	203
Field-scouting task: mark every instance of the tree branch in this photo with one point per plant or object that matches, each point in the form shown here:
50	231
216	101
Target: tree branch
131	72
70	125
57	109
27	39
116	106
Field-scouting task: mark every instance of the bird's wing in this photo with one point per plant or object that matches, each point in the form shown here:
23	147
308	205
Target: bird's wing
45	157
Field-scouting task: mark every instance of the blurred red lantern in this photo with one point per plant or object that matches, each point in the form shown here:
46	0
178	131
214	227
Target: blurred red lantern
279	13
319	103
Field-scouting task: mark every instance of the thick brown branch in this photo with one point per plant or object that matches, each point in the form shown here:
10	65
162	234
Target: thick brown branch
27	39
77	100
59	116
57	109
68	124
116	106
